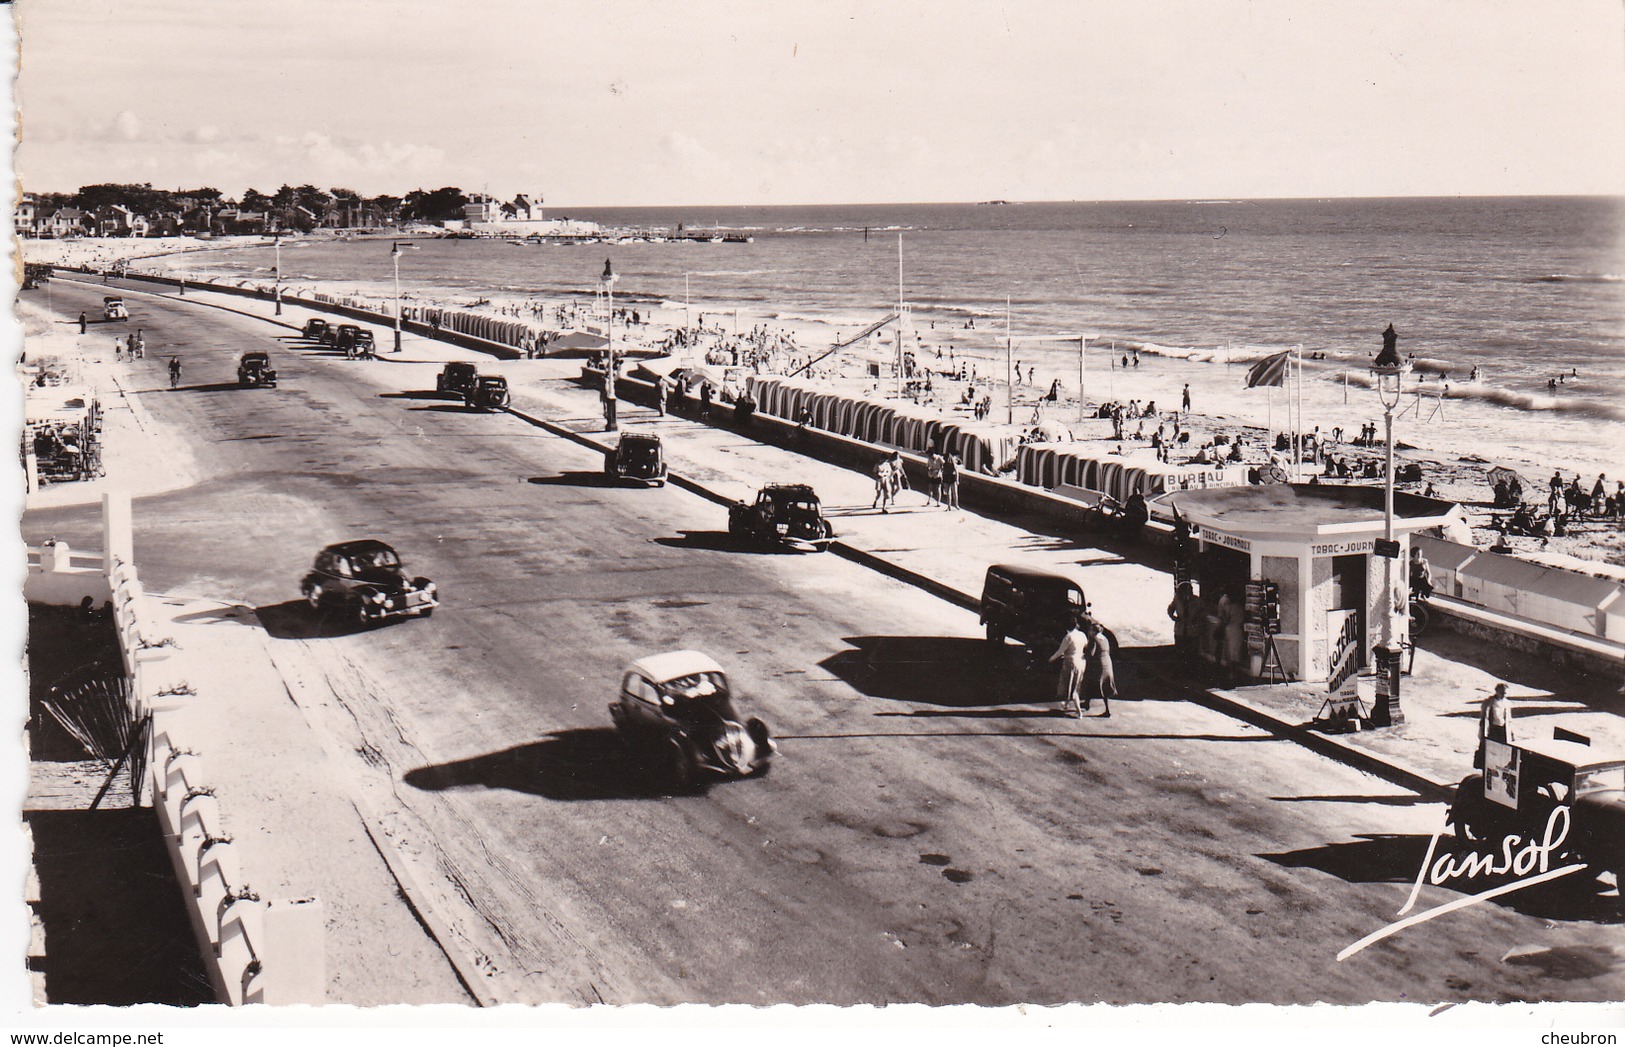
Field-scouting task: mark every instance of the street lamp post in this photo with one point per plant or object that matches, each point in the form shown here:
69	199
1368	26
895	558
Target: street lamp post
608	280
1388	373
276	238
395	256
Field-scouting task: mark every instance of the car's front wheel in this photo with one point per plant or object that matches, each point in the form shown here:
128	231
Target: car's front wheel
684	763
995	635
362	618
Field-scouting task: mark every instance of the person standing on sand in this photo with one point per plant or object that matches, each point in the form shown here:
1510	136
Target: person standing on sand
83	320
1187	397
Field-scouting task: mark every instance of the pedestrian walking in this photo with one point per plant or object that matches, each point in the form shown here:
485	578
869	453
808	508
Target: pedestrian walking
950	479
83	320
933	477
118	350
899	477
662	390
1187	397
1073	654
883	485
1099	675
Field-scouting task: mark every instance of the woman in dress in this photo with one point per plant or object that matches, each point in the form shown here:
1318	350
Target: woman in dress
1073	654
1099	676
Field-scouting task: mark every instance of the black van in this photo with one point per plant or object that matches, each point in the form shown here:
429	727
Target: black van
1030	605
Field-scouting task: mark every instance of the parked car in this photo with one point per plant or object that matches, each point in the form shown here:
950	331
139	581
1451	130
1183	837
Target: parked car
254	368
355	341
457	378
316	330
786	513
1030	605
490	393
637	456
367	576
677	708
113	308
1550	762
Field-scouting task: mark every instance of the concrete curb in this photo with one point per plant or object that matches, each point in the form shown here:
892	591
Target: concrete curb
1386	767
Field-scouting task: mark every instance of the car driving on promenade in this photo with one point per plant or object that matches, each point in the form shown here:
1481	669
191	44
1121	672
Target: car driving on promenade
677	709
457	378
788	514
113	308
254	368
316	330
368	577
637	457
490	393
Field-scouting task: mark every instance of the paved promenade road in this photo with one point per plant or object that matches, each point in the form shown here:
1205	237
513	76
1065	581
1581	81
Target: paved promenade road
933	833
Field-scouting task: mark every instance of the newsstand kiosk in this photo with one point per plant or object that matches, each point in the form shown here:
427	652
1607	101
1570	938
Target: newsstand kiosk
1284	581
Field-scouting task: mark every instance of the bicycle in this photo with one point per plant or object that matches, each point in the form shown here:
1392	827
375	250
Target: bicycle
1420	616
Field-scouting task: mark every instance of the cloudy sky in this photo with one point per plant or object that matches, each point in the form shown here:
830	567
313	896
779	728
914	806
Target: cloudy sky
608	102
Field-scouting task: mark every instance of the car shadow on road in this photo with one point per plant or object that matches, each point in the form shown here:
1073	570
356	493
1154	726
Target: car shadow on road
957	671
214	387
417	394
1396	858
577	479
448	409
295	620
722	542
589	763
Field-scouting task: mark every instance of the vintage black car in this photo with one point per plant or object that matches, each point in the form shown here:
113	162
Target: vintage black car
676	708
786	513
355	341
1572	760
457	378
1030	605
254	368
490	393
367	576
317	330
637	457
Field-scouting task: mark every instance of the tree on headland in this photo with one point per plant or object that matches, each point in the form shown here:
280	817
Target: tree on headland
438	206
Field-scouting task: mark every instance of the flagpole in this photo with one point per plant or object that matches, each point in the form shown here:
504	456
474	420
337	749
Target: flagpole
1083	340
1009	406
1297	428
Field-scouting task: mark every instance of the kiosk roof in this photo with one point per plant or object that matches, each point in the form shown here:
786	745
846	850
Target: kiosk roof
1302	508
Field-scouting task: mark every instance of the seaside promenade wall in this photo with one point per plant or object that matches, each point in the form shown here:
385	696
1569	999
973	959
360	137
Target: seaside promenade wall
254	950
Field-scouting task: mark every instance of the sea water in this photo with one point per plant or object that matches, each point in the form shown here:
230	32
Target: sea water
1528	290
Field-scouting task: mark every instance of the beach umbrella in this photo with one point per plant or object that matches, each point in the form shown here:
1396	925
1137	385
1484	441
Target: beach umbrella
1502	474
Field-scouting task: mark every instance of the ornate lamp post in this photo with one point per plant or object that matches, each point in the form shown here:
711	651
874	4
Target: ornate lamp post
395	256
608	280
1388	374
276	238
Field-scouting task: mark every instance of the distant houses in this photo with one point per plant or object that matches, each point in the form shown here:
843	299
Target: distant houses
111	210
482	209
